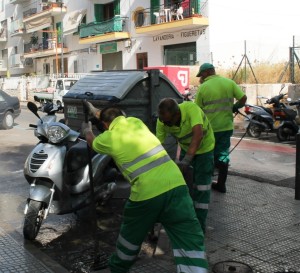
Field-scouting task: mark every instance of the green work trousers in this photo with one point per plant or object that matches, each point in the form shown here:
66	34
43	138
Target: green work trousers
222	146
203	168
174	210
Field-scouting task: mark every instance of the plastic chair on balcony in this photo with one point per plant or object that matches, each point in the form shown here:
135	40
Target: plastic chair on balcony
157	17
179	13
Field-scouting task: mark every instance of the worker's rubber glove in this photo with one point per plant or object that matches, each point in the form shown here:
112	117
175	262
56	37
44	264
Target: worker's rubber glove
91	109
85	128
185	163
236	107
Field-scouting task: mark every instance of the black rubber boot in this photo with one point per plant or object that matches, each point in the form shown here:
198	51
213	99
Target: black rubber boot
222	176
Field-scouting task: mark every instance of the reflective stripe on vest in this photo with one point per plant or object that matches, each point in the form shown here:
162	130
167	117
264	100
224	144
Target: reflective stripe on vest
224	108
218	101
148	166
152	152
185	137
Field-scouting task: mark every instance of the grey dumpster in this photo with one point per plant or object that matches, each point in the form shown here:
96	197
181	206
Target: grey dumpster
137	92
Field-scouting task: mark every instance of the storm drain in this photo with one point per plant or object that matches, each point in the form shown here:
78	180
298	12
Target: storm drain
231	267
87	261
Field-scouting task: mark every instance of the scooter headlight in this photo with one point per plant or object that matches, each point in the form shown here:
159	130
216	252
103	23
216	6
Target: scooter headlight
56	134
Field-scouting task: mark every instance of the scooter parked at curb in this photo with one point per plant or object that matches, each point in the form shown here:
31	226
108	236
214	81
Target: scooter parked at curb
289	120
57	170
260	119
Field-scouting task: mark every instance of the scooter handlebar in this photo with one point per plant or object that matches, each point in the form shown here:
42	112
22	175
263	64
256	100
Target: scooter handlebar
294	103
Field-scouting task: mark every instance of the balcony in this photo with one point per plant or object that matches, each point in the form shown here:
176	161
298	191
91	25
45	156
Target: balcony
99	32
3	65
39	18
168	19
17	27
43	49
15	60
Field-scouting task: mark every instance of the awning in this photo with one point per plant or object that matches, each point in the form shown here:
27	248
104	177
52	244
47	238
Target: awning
72	21
38	24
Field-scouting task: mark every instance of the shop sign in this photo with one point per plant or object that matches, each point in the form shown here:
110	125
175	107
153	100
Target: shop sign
108	48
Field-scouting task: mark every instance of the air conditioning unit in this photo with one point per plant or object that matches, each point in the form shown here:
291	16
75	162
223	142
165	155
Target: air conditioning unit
28	62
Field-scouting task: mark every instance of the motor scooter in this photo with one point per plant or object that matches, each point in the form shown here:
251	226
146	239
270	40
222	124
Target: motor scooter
57	170
289	120
260	118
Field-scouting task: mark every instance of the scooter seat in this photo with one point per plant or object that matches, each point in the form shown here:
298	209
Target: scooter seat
77	156
268	110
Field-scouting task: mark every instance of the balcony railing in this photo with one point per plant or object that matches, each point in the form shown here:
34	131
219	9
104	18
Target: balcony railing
42	45
116	24
16	27
167	14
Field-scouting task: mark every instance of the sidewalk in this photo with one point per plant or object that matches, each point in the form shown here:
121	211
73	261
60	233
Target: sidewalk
254	223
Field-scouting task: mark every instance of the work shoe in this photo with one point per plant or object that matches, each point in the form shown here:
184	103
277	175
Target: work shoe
218	187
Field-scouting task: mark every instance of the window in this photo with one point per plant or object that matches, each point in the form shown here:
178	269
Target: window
104	12
180	54
16	49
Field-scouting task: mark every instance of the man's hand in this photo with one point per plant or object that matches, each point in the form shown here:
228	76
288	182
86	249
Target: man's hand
184	163
85	128
92	110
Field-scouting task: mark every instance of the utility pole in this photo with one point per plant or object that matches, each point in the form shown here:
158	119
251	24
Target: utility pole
245	58
62	40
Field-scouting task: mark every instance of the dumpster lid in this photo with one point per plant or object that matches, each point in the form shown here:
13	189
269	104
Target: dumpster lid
106	85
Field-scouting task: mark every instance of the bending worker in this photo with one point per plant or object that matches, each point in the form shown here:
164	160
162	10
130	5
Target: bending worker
216	96
158	192
189	125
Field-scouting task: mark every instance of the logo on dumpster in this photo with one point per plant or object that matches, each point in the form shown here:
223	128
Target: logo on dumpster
182	76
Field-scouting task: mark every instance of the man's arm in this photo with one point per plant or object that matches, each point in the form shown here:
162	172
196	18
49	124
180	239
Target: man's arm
197	137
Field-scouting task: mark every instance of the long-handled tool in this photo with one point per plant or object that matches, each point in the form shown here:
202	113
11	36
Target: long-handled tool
97	263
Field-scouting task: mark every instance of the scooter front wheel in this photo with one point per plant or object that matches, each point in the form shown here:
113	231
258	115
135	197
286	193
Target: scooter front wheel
253	130
281	134
33	219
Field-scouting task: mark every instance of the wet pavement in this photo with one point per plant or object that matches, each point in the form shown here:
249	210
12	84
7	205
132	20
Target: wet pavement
253	223
257	222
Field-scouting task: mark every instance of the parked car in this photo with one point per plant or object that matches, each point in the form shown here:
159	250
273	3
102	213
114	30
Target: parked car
9	110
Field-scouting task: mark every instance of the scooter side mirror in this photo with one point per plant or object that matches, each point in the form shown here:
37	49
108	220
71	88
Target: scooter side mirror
33	108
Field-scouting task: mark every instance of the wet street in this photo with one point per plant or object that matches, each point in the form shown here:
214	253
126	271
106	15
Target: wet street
66	237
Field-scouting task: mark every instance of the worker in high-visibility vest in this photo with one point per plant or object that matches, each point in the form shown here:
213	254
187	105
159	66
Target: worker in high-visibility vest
189	125
215	97
158	192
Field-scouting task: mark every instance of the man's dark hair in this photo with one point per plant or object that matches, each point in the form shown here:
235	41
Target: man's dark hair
108	114
168	105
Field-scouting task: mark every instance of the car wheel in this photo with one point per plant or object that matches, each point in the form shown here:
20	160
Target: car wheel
8	120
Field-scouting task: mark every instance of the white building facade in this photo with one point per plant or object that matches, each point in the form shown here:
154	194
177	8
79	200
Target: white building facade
71	36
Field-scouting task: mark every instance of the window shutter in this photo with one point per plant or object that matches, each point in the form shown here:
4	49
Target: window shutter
154	8
98	13
117	7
